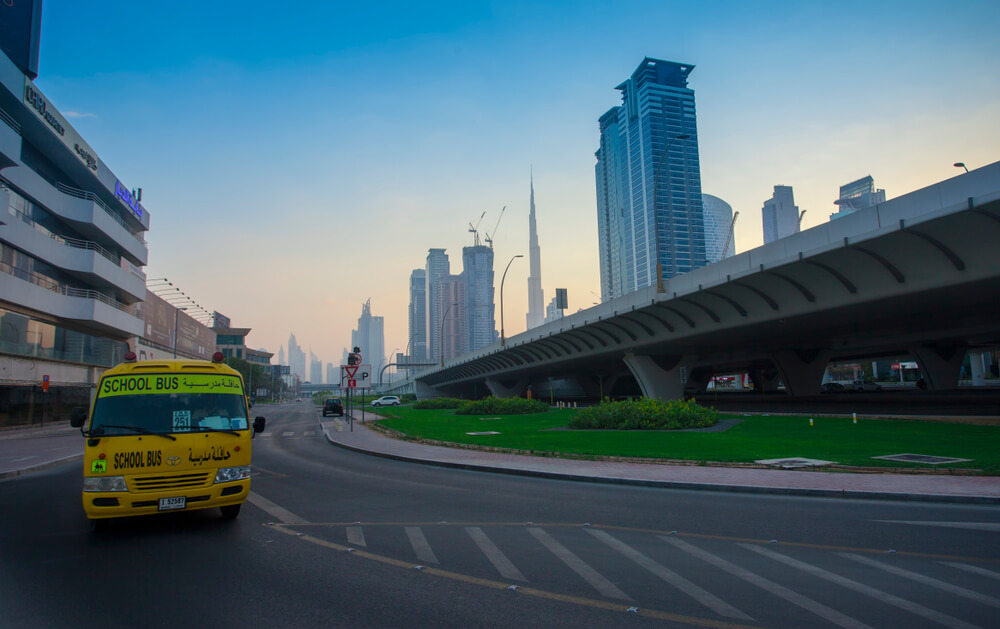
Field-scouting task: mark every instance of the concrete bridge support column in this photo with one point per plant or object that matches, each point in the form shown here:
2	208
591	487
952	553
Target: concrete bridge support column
802	370
425	391
661	378
765	378
940	364
499	390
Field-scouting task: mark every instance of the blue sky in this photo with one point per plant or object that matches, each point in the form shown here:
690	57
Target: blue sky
299	160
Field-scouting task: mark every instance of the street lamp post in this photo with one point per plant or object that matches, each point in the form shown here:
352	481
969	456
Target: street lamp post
177	313
961	165
656	216
503	340
441	336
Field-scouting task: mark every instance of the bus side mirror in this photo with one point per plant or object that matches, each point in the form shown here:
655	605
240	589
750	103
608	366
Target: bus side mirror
258	424
78	416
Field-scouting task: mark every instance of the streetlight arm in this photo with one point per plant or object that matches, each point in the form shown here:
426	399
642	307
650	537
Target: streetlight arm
503	340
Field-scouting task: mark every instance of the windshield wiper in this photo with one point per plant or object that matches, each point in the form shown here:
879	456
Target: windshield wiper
204	429
144	431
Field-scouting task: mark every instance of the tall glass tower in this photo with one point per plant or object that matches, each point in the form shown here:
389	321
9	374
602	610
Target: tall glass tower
437	269
478	321
417	343
648	167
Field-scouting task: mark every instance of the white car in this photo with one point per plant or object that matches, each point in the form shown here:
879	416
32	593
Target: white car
865	385
386	400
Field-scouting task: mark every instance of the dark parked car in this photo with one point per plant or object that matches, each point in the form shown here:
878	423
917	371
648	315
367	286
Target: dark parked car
832	387
333	406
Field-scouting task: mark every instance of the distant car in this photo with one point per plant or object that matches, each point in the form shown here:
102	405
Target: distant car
865	385
832	387
333	406
386	400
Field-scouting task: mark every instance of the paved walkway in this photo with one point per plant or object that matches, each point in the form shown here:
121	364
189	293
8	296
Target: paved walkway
32	449
923	487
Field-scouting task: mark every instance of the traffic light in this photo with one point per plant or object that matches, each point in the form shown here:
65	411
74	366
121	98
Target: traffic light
352	359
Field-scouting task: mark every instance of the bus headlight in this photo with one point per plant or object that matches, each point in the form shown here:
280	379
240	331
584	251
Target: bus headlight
104	483
227	474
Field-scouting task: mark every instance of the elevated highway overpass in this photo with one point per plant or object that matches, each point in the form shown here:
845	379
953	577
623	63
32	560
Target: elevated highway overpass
917	276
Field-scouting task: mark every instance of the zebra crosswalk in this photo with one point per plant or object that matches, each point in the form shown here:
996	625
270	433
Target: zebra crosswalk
287	434
721	581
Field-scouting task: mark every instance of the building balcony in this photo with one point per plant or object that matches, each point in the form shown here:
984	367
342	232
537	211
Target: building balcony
90	310
85	211
85	259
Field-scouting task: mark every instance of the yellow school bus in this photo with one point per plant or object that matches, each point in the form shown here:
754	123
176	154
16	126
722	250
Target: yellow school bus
166	436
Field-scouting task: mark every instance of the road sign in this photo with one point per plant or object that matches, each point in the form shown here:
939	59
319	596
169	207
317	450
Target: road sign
45	383
356	376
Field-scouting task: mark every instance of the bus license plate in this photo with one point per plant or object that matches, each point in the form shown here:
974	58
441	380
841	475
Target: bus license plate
177	502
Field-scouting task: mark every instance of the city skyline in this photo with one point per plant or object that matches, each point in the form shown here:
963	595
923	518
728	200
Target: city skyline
202	118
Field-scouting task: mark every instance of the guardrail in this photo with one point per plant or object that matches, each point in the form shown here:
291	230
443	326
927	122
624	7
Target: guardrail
90	196
13	124
69	291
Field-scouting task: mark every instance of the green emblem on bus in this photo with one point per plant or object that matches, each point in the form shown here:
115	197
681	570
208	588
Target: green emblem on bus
98	466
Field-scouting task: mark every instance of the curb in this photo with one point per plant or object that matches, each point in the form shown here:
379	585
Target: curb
680	485
41	466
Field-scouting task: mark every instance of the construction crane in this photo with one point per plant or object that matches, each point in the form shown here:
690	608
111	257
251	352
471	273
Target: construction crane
729	236
489	237
801	214
475	230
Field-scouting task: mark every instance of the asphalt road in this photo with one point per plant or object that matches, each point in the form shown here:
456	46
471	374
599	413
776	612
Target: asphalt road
335	538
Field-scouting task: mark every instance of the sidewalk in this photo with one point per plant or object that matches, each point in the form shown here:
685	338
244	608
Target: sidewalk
24	450
915	487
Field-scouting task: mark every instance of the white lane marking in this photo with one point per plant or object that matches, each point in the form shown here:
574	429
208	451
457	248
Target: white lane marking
265	435
420	545
494	554
579	566
861	588
919	578
356	536
983	572
309	433
705	598
975	526
780	591
288	434
280	513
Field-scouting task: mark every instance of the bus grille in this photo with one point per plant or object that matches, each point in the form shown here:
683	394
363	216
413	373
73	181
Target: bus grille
173	481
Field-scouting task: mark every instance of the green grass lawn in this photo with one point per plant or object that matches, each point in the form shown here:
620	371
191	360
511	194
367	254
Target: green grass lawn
758	437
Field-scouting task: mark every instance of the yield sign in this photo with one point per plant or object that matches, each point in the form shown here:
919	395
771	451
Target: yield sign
351	370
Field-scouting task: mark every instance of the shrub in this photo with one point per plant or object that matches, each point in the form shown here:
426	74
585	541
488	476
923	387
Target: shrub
502	406
438	403
645	414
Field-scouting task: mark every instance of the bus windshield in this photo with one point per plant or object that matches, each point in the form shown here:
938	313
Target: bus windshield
171	412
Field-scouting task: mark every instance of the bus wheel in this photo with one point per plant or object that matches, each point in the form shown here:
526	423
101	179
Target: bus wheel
229	512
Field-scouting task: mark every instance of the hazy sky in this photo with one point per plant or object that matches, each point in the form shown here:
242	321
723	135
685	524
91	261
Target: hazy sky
300	158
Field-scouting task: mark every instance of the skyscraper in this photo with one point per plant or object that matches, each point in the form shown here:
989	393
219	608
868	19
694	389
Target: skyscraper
281	355
437	268
858	195
536	296
452	341
648	157
296	359
370	337
718	221
780	215
315	369
478	319
417	342
610	220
